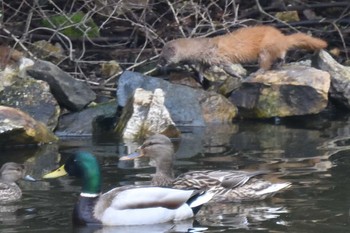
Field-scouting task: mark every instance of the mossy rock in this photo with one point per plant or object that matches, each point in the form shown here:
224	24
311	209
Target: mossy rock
17	128
72	25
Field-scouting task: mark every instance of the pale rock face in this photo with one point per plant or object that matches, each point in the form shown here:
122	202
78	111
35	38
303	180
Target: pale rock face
145	114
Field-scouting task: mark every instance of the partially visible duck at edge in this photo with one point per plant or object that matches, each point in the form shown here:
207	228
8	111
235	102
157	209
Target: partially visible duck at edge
228	185
10	173
128	205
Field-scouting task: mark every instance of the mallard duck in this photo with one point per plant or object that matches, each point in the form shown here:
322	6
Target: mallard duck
10	173
228	185
125	205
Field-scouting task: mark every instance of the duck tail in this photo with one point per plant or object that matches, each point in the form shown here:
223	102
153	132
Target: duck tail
274	188
198	199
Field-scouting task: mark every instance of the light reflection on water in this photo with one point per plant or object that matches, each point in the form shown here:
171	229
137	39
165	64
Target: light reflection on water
314	159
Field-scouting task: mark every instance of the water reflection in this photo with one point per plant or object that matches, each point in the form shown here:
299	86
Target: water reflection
182	226
8	213
240	215
314	157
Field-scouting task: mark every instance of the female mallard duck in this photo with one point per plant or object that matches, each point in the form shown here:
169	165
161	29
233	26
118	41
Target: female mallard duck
10	173
125	205
228	185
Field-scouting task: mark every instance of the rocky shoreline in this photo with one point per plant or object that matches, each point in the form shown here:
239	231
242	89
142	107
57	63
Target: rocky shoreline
41	93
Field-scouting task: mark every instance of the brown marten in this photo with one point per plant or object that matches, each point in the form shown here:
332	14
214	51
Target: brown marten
264	44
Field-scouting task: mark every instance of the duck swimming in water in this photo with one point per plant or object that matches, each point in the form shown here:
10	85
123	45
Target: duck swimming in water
229	185
10	173
128	205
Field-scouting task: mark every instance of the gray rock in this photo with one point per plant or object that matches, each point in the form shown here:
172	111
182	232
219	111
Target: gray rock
340	78
33	97
187	106
291	91
90	121
69	92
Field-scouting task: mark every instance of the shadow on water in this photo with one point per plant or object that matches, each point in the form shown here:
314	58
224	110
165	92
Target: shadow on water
312	155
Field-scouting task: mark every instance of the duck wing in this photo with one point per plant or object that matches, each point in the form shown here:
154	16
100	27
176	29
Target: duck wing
209	178
234	179
148	197
9	192
148	205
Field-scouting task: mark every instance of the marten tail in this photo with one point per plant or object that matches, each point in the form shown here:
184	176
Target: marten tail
302	40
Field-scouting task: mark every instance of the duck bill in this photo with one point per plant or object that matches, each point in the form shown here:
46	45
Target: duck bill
29	178
56	173
131	156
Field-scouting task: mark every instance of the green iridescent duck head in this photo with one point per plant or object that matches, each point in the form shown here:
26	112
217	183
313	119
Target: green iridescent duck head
84	166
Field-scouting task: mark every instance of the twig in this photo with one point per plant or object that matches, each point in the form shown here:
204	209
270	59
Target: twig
342	39
142	62
18	42
176	19
150	71
61	34
103	88
273	17
252	13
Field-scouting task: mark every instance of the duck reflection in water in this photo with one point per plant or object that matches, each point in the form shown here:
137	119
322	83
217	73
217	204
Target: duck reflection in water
182	226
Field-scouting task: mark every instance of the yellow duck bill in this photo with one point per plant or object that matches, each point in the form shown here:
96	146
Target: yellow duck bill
56	173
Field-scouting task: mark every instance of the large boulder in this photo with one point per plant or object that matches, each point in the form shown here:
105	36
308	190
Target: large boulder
291	91
144	115
18	128
221	81
187	106
31	96
93	120
340	78
69	92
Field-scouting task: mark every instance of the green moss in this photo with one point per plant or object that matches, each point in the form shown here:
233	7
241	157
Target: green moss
73	25
268	104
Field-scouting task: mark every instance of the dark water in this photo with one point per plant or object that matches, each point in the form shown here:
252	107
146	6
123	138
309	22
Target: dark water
312	154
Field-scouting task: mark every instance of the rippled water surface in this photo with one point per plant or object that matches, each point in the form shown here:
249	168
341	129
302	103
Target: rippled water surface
312	154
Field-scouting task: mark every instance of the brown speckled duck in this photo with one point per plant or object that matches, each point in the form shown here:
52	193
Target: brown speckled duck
228	185
10	173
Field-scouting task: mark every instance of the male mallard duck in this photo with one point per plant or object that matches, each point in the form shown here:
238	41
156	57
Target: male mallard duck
10	173
228	185
125	205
